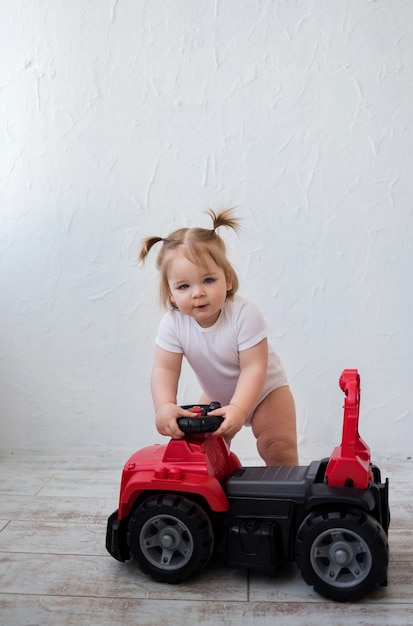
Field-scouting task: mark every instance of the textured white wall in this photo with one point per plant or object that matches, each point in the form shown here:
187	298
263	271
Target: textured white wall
125	118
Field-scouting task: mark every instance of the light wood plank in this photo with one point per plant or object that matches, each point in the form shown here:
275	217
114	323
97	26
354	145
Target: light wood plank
22	483
88	539
288	586
55	459
96	483
46	574
401	544
56	508
101	577
54	538
21	610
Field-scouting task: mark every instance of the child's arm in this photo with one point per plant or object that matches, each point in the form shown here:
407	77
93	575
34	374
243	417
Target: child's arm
164	385
253	366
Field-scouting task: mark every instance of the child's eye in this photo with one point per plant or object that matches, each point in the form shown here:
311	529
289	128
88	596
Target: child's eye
183	287
208	280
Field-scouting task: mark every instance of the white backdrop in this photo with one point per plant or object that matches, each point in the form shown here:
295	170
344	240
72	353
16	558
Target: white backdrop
124	118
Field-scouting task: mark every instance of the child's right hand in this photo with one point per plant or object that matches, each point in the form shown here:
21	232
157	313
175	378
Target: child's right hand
166	417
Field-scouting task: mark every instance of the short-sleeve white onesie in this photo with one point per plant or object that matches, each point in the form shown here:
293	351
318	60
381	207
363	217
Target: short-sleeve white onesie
213	352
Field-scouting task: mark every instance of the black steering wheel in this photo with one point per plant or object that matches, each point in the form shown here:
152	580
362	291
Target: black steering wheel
201	422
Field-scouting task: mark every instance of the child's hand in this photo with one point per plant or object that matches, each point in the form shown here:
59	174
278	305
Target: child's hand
234	419
166	420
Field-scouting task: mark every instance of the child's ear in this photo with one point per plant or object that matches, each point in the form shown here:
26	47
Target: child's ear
229	280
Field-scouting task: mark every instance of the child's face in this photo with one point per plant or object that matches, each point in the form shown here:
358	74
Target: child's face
198	291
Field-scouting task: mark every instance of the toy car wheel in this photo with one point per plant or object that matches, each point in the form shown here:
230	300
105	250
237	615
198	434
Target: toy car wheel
170	537
343	554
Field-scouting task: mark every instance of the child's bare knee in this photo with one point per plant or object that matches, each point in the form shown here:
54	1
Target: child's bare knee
277	450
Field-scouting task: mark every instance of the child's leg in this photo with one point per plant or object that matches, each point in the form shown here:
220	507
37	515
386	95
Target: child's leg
274	427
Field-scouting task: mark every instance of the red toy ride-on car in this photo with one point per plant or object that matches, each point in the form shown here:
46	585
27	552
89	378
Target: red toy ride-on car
181	502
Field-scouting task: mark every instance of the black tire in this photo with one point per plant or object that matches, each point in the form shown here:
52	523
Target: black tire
344	555
170	537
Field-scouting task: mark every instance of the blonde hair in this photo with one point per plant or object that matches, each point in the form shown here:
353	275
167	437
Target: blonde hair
199	245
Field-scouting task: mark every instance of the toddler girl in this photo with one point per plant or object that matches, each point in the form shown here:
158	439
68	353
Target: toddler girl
224	339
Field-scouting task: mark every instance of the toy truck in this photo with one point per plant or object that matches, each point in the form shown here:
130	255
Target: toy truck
191	498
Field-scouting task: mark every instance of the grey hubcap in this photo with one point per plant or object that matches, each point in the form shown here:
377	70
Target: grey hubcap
341	557
166	542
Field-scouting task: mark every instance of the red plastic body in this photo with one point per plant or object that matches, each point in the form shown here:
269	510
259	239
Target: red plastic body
351	460
198	464
201	464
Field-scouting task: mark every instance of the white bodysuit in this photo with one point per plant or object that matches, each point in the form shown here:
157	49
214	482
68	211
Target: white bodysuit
213	352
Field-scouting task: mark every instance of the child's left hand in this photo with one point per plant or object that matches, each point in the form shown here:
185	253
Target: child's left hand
234	419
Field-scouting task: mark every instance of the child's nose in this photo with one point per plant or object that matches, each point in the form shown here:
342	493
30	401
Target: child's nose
198	291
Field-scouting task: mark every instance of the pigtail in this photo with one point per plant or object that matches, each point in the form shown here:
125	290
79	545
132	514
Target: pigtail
224	218
147	244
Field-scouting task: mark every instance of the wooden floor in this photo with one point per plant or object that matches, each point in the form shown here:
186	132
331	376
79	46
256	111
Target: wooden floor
54	568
